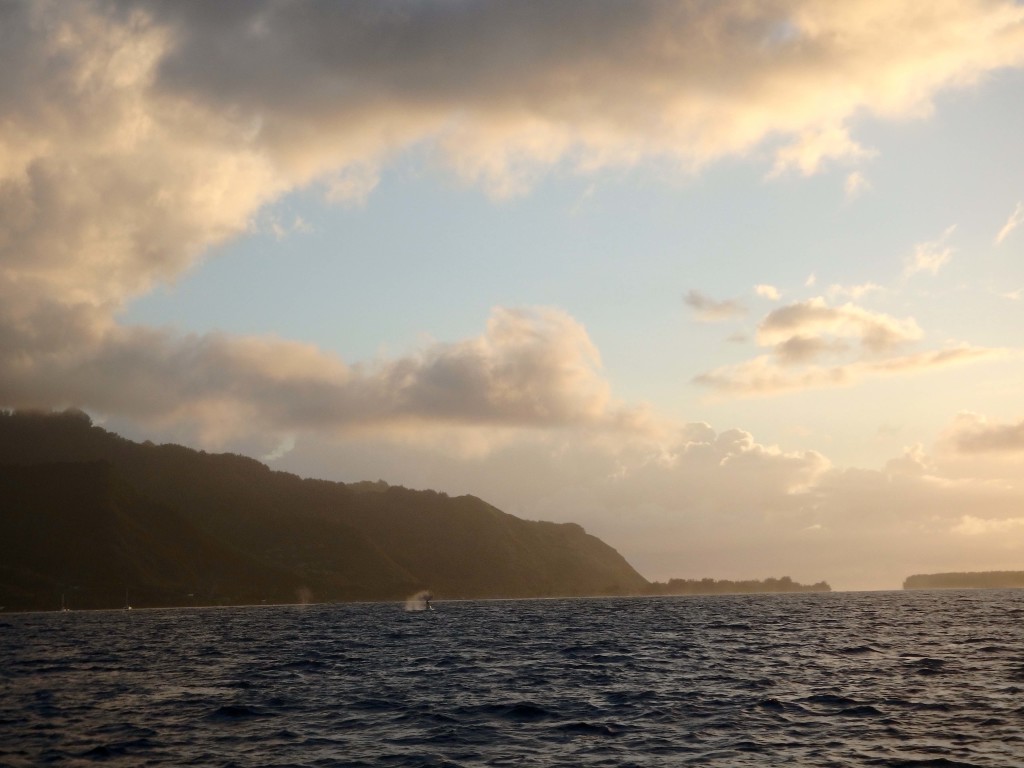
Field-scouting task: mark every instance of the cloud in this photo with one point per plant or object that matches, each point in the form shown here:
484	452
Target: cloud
506	88
972	433
281	229
805	349
352	185
281	449
914	462
531	368
856	185
137	135
709	310
853	291
962	354
813	146
970	525
815	320
1011	223
802	336
768	292
930	256
766	375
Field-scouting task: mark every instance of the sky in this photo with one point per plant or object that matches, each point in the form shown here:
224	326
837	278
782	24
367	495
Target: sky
737	286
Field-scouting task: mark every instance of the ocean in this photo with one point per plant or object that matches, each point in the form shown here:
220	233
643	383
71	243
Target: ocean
834	679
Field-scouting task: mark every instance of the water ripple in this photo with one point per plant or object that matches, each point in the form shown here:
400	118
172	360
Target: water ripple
860	679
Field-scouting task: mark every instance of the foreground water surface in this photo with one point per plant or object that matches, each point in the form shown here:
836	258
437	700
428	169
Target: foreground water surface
844	679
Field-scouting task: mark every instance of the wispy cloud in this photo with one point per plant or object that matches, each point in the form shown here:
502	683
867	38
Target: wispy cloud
853	291
710	310
768	375
856	185
282	228
1011	223
930	256
352	184
807	152
969	525
768	292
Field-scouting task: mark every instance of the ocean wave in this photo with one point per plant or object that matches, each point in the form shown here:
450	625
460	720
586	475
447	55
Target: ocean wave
706	681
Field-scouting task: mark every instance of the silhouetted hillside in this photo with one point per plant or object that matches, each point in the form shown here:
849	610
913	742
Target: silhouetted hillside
80	532
974	580
89	513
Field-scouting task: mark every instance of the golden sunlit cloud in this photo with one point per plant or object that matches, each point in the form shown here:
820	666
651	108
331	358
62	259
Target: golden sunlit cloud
1011	223
972	433
914	462
856	185
813	146
179	122
815	319
774	375
803	334
930	256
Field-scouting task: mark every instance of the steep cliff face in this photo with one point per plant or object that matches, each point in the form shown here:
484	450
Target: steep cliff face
84	510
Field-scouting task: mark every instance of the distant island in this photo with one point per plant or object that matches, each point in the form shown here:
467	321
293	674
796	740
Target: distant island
724	586
970	580
89	519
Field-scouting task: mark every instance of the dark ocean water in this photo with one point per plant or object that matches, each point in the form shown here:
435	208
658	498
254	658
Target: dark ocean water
854	679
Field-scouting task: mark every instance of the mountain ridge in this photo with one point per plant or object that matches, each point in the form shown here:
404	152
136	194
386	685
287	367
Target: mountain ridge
233	530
